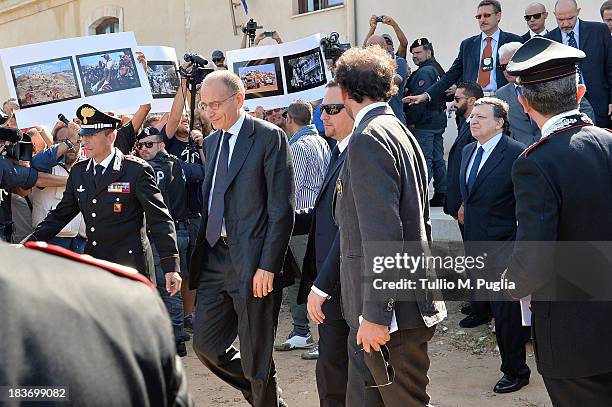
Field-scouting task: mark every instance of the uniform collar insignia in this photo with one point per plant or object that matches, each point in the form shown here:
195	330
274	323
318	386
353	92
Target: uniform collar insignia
565	122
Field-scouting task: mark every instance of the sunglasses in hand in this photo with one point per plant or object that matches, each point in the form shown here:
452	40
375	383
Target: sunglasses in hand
380	367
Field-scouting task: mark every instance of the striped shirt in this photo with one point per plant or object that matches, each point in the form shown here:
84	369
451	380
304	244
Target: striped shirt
310	153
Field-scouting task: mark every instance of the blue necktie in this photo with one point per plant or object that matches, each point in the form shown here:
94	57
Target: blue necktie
571	41
474	169
217	205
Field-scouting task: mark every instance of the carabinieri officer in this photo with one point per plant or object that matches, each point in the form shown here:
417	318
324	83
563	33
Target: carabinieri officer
115	192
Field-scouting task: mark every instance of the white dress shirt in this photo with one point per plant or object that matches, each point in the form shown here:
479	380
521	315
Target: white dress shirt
361	114
565	40
492	86
105	163
533	34
488	148
234	130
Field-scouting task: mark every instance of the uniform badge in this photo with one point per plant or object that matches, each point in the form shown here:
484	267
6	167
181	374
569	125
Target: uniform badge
339	187
119	187
421	83
117	207
81	189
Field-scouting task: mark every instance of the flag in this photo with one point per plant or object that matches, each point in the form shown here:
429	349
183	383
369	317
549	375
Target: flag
246	8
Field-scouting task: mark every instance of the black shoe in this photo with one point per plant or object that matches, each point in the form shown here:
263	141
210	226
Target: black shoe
508	384
466	309
181	349
437	200
472	321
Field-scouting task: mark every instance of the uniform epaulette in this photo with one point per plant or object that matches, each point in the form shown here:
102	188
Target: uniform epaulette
135	159
117	269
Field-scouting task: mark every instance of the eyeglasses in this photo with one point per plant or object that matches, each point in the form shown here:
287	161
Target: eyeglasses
332	109
535	16
385	356
483	15
215	105
503	67
147	144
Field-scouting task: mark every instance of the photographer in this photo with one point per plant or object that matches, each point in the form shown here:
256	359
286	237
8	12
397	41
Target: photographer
249	30
402	49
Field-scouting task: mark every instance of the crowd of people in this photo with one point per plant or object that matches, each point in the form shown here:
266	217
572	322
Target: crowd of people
221	215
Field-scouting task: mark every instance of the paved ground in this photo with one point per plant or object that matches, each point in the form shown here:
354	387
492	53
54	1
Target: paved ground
464	369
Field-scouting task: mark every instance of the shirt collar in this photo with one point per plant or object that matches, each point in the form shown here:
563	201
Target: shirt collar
490	145
495	36
553	120
361	114
576	30
344	143
106	161
235	129
533	34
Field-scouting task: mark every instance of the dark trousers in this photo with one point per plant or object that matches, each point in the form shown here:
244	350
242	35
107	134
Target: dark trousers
332	364
592	391
409	358
226	310
511	337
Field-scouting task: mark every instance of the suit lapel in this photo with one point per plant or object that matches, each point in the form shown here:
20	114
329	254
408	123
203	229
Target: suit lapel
583	34
242	148
462	131
465	160
112	173
210	167
330	174
496	157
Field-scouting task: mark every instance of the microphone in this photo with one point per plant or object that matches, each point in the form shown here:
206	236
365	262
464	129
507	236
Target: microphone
63	119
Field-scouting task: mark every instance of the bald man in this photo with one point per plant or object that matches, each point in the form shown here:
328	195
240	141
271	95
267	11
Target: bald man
535	16
593	38
401	76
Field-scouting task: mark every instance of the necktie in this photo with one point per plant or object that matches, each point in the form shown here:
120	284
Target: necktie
334	156
571	41
98	175
484	77
474	169
217	205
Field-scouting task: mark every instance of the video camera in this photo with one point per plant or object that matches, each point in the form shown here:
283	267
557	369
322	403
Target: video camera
21	147
3	118
198	68
332	47
249	29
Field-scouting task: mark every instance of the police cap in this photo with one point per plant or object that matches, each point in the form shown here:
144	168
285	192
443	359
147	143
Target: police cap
543	60
94	120
148	131
419	42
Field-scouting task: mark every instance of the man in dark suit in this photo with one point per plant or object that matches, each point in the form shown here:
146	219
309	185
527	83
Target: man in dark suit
90	326
478	59
381	196
114	192
320	283
249	196
554	204
595	71
466	95
535	16
488	200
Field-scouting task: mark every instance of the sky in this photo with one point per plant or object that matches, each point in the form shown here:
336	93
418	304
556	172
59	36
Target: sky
45	67
261	68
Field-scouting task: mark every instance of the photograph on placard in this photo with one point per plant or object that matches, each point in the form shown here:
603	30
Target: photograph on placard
163	79
108	71
305	70
50	81
261	77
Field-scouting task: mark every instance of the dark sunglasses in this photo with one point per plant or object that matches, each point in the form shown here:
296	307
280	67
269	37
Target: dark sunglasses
217	59
483	15
285	114
332	109
389	374
503	67
535	16
147	144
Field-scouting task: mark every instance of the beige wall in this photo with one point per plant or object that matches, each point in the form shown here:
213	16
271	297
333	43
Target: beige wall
204	25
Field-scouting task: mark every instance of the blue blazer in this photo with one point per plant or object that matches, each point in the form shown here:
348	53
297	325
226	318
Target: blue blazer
467	64
322	259
490	206
594	39
453	191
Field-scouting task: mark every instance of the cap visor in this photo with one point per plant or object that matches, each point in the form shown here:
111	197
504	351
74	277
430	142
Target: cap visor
89	132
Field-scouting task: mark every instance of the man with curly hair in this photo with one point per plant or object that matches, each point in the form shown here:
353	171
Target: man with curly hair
381	196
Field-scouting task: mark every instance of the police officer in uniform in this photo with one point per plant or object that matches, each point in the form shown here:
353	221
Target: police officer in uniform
563	206
114	192
427	121
84	333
